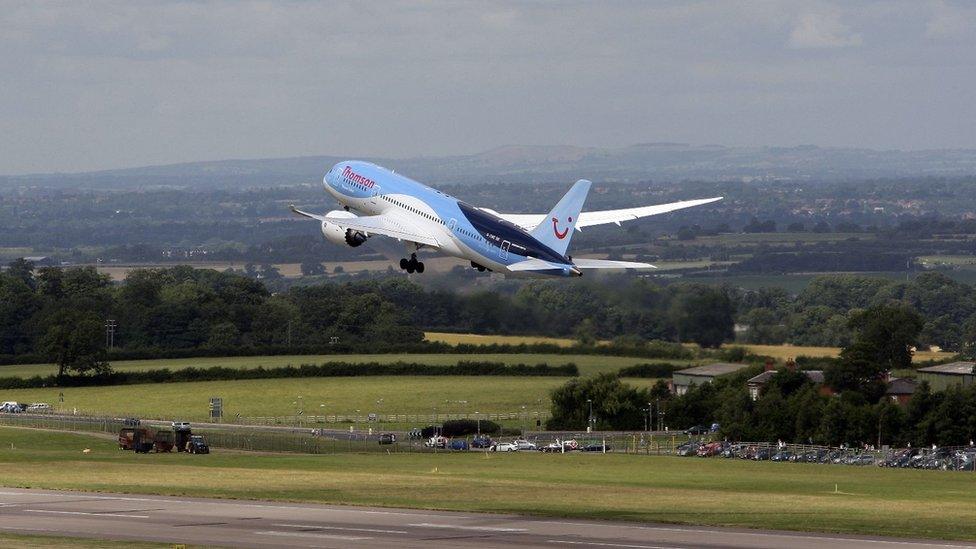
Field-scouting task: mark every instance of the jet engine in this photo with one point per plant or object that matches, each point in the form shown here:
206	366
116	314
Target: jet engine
338	235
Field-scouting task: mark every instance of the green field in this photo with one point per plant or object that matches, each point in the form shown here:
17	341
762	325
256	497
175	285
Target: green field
319	396
17	541
868	500
588	364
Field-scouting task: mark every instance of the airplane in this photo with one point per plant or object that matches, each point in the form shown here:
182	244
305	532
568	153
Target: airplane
377	201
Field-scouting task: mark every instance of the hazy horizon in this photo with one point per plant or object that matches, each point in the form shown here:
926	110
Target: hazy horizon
130	85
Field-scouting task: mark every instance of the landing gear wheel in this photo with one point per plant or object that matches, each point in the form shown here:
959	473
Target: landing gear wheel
403	263
420	266
410	267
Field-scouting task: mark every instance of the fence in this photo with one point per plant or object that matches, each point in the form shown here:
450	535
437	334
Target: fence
323	441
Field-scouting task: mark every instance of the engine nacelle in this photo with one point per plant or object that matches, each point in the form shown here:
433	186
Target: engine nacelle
338	235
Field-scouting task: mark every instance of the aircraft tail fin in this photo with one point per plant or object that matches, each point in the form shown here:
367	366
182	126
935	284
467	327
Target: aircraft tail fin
556	230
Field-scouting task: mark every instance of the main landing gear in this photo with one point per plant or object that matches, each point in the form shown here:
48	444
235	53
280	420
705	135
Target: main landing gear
412	265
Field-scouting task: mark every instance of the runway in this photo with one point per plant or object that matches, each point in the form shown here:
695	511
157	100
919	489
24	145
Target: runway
261	524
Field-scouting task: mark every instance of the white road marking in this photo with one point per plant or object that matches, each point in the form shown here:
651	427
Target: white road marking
84	513
311	535
598	544
373	530
475	528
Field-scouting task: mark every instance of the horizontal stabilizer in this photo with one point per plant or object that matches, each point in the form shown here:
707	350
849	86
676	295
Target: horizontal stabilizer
584	263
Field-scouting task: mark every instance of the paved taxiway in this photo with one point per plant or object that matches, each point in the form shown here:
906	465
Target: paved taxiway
272	524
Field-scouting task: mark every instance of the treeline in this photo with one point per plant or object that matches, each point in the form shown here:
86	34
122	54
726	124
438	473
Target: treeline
819	314
73	316
79	318
328	369
848	408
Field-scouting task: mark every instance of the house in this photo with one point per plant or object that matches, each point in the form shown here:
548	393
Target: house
756	384
40	260
682	380
900	390
943	376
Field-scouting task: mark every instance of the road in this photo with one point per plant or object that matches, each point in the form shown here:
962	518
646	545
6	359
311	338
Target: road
261	524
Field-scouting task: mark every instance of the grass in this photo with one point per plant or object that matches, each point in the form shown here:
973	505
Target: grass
318	396
869	500
16	541
588	364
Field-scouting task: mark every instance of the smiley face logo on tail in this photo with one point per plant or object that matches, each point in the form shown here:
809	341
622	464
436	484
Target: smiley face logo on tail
555	228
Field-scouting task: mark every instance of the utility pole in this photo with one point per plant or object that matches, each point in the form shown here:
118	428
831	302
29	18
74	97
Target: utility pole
110	326
589	427
650	422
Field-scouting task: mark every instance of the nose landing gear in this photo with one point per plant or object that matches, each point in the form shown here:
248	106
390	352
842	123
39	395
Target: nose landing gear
412	265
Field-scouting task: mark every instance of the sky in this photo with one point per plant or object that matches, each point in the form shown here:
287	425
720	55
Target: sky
102	85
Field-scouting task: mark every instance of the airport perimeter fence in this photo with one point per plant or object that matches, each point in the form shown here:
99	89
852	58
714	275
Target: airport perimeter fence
335	441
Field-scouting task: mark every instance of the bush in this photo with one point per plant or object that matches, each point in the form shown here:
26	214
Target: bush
464	427
652	370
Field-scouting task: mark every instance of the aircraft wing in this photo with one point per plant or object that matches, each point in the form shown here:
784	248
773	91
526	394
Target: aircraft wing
390	225
584	263
602	217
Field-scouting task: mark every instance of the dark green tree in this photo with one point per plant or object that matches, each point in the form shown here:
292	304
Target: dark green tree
616	406
76	343
703	314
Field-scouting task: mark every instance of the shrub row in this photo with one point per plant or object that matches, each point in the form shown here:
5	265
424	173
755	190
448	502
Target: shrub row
653	370
329	369
652	349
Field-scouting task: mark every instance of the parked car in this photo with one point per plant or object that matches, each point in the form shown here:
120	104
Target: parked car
782	455
524	444
11	408
564	446
459	444
505	447
181	426
40	407
387	438
687	449
696	430
197	445
436	442
481	441
863	459
710	449
762	454
597	447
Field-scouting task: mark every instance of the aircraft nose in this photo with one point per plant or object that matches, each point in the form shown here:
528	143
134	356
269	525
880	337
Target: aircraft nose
575	271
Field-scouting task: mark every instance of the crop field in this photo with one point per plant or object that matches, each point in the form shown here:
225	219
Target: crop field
869	500
478	339
588	364
783	352
313	396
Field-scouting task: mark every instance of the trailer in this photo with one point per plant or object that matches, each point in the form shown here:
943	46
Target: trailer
144	440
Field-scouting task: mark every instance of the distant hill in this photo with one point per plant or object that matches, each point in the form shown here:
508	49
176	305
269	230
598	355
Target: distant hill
648	161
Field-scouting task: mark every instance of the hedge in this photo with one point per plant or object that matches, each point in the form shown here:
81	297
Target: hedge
652	349
653	370
328	369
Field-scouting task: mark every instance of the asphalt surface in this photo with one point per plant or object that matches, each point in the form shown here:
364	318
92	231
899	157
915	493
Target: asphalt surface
198	521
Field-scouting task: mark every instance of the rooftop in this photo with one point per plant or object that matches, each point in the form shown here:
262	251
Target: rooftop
815	376
954	368
901	386
712	370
